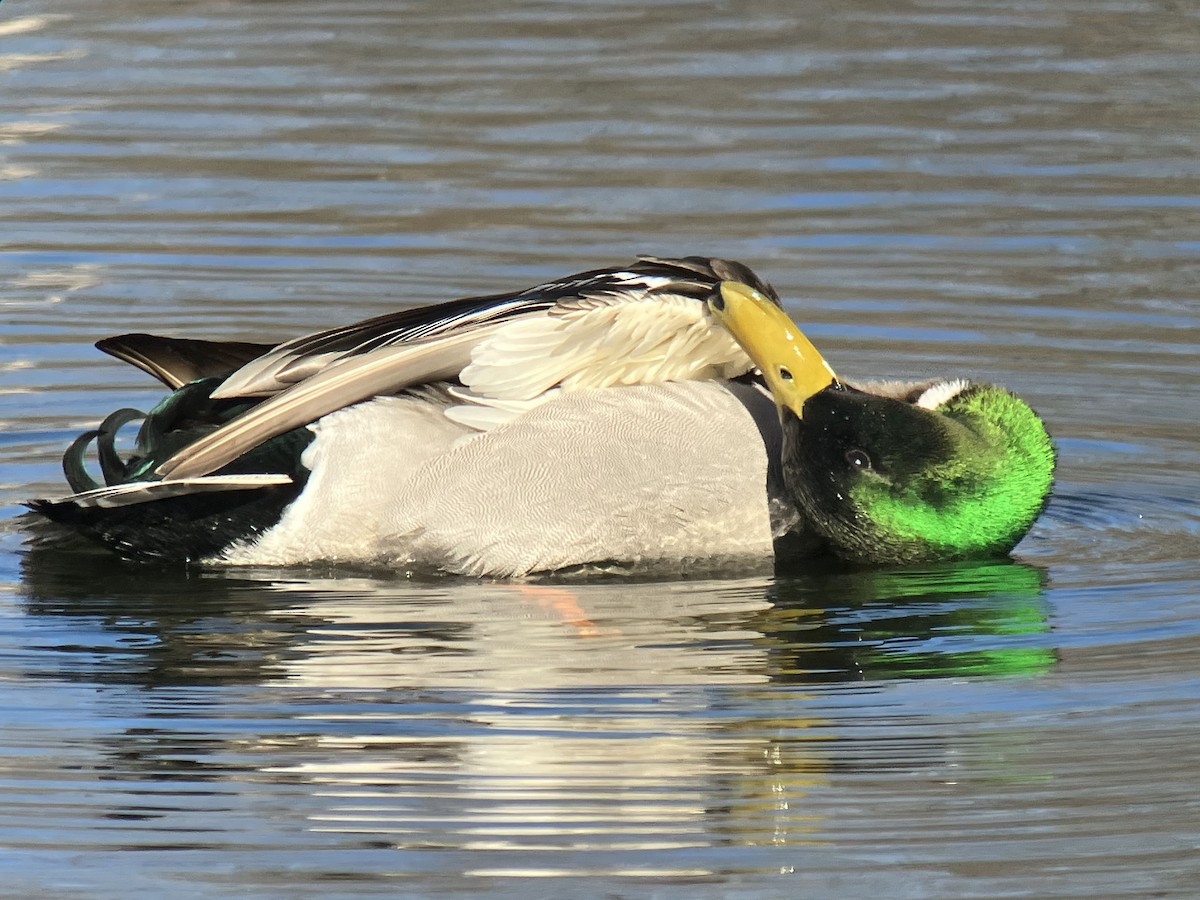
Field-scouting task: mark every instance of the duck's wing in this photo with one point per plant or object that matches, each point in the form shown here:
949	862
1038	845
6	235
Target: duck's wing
342	383
293	361
633	328
288	363
178	361
642	323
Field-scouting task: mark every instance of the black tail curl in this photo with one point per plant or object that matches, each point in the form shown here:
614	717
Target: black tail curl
182	528
112	467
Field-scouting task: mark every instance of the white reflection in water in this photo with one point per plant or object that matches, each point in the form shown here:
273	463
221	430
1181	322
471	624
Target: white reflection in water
25	24
10	61
576	735
51	285
540	636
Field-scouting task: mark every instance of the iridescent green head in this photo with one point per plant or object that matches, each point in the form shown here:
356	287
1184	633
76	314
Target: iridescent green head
956	471
953	470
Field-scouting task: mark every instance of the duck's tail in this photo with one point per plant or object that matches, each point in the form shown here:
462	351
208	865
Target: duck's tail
137	514
191	521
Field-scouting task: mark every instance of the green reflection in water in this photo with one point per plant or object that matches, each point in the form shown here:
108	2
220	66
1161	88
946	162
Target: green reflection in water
877	628
983	619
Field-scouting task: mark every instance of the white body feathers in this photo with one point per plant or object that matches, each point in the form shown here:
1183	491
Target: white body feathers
653	476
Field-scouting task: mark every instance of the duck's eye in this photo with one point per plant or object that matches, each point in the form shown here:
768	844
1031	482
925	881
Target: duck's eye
858	459
785	373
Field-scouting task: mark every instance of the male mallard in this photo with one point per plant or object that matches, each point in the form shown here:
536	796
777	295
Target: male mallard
601	419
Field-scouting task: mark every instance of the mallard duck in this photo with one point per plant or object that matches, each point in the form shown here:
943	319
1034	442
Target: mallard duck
666	414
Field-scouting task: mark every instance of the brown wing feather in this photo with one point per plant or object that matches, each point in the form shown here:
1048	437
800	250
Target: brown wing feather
351	380
178	361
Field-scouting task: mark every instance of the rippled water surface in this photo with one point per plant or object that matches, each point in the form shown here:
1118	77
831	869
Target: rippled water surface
1008	191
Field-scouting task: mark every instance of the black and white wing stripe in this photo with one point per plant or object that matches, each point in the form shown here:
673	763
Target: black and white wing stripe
599	328
302	357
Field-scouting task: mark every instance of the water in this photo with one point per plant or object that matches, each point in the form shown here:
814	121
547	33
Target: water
1010	193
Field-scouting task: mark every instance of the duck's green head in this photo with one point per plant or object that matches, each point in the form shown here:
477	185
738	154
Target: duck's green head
952	470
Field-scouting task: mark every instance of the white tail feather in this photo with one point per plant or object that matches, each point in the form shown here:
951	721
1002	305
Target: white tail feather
146	491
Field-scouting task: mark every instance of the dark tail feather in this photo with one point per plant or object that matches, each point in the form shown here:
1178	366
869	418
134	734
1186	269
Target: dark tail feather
183	528
111	465
73	465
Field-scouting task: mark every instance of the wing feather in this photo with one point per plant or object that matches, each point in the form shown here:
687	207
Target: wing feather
383	371
295	360
596	329
303	357
629	339
177	361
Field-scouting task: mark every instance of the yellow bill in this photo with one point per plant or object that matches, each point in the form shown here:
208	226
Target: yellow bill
791	365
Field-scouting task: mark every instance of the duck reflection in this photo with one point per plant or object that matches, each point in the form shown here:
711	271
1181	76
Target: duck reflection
544	715
981	619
